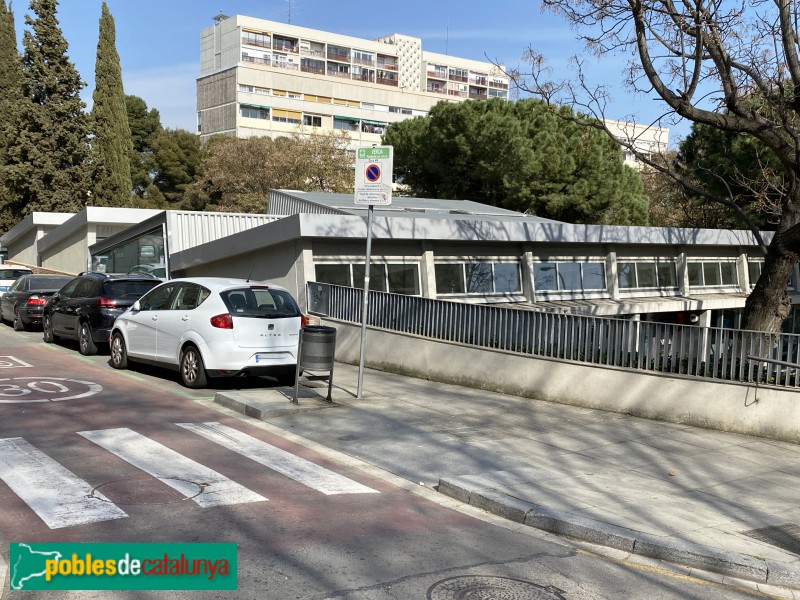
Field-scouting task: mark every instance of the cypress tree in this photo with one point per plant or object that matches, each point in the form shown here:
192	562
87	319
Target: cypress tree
10	97
49	161
112	146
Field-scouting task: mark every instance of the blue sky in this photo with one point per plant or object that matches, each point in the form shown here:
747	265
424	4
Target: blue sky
159	42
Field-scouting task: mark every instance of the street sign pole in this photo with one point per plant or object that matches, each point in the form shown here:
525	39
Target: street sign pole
365	306
373	187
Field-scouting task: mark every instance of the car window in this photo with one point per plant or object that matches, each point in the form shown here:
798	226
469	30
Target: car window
13	273
129	289
18	285
68	291
46	283
84	289
260	302
158	298
189	296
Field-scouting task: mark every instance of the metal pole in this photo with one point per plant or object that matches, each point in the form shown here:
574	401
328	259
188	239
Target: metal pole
365	306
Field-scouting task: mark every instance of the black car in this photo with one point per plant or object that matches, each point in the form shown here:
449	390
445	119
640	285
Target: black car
26	297
85	308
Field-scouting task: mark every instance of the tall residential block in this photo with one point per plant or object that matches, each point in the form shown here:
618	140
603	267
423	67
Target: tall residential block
261	77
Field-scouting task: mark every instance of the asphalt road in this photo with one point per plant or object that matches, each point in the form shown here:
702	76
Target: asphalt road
162	464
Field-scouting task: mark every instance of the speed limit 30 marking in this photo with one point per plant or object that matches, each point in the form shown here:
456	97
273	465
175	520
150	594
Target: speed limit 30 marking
25	390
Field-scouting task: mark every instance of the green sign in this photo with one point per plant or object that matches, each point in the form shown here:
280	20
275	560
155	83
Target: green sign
377	152
88	566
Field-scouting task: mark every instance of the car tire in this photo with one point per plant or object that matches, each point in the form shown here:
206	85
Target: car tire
193	371
119	354
47	330
86	345
18	324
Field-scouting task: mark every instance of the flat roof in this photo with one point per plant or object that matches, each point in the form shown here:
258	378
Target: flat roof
31	221
95	214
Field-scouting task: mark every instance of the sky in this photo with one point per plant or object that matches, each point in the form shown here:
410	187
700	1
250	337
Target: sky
159	41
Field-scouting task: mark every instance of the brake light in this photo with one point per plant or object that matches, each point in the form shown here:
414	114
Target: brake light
106	303
305	320
36	301
223	321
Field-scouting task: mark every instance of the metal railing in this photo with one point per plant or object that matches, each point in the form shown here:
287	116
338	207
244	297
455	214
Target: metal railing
771	359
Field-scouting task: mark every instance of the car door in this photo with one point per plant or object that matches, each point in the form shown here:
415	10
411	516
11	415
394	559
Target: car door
173	323
57	306
142	325
10	298
70	317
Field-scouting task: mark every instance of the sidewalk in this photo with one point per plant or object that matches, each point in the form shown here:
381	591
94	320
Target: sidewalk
719	502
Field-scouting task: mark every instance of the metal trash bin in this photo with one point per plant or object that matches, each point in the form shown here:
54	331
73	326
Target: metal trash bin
315	353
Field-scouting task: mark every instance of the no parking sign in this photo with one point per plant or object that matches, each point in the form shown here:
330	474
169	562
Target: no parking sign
374	175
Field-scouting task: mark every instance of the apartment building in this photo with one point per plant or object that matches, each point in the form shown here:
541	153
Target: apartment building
261	77
645	139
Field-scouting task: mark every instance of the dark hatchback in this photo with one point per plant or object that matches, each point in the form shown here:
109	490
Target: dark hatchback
85	308
25	299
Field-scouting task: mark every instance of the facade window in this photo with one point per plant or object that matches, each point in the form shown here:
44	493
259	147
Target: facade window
253	38
756	266
345	124
398	109
286	116
458	74
253	112
569	276
312	120
144	252
713	274
493	93
644	275
479	277
396	278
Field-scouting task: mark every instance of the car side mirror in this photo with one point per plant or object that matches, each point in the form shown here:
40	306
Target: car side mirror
136	306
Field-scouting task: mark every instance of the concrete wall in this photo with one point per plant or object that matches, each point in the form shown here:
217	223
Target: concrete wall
70	254
739	408
23	249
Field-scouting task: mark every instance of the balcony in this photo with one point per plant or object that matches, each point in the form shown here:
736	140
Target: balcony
388	81
340	74
285	46
432	75
312	52
477	96
436	90
286	65
369	62
338	56
253	42
368	77
461	78
256	60
387	66
499	85
478	81
312	69
458	93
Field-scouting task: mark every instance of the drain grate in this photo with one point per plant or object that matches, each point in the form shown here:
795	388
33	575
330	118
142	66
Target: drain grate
785	537
491	588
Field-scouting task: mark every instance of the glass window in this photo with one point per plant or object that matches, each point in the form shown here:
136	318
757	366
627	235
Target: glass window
569	276
251	112
711	274
594	276
377	277
754	270
189	296
667	275
403	279
479	278
68	290
128	289
545	277
729	275
646	275
49	282
260	302
157	299
626	275
312	121
696	274
506	278
334	274
449	278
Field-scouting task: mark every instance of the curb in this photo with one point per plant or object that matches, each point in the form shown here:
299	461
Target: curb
277	406
573	526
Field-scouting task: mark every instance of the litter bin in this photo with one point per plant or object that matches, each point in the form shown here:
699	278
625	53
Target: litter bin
315	353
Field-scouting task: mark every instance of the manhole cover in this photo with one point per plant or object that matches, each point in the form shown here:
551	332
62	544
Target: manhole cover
786	536
491	588
145	490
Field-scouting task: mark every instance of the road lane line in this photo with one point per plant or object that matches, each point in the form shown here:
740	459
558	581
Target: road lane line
55	494
286	463
177	471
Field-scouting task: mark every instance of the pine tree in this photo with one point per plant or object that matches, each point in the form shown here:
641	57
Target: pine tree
10	97
112	147
49	161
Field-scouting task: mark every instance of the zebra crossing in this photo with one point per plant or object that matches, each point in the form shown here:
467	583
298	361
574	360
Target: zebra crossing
62	498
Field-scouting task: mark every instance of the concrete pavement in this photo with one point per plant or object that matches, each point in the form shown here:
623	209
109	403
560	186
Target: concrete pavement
713	501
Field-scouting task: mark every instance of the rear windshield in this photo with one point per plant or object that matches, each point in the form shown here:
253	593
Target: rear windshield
260	302
47	283
129	289
13	273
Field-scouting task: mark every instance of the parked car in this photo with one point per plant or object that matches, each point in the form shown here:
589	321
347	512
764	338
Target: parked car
26	297
211	327
9	275
85	309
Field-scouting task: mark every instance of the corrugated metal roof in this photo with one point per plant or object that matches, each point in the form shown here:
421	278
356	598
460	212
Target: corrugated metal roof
187	228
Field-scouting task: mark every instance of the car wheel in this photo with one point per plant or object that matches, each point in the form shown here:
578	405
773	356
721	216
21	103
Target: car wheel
119	354
86	344
47	330
193	371
18	324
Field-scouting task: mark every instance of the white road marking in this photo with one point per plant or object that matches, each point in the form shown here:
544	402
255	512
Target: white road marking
55	494
286	463
177	471
11	362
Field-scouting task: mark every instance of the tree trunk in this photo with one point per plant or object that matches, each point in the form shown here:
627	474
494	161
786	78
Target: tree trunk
768	304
